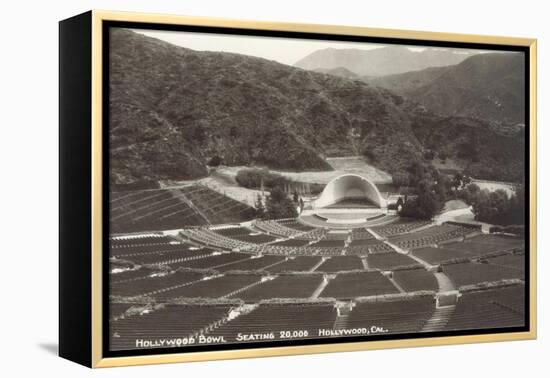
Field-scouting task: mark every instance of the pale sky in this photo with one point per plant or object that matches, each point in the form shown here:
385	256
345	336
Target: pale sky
283	50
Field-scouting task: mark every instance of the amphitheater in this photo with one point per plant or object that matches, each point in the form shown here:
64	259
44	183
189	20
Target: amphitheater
191	262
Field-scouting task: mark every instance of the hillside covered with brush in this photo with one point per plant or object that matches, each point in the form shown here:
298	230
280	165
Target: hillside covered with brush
173	109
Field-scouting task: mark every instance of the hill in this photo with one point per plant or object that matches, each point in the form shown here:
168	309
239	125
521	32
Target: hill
486	86
382	61
405	83
173	109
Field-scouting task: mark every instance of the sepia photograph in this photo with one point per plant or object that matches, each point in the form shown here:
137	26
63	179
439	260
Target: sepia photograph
268	190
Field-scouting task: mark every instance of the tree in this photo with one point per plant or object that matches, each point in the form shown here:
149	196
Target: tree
424	206
215	161
278	205
259	207
498	208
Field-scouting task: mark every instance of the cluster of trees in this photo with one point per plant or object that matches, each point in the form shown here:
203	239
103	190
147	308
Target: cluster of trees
431	190
496	207
277	205
253	178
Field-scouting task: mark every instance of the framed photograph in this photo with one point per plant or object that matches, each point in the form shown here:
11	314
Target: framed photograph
235	189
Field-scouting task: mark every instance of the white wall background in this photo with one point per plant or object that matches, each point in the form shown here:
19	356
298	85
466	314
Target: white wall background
28	210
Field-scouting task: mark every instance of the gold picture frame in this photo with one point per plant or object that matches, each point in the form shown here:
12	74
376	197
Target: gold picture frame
92	24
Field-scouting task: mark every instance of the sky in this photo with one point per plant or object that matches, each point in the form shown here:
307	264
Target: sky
283	50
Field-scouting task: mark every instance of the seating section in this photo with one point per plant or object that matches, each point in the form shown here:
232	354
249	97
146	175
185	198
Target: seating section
284	286
210	238
276	228
498	308
217	287
151	284
295	224
296	264
217	207
164	209
328	243
150	240
472	273
340	263
431	236
164	254
401	226
433	255
291	243
388	261
402	316
256	263
352	285
212	261
245	234
515	261
360	233
374	246
169	322
275	318
415	280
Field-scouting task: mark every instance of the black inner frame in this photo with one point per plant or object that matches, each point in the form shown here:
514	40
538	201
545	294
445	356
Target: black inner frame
106	25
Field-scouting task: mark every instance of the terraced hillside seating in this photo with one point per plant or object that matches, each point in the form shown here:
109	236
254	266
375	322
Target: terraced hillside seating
214	260
400	316
401	226
497	308
210	288
276	318
296	264
365	242
276	228
431	236
473	273
498	240
149	284
352	285
165	209
151	210
376	246
515	261
149	248
315	234
217	207
360	233
416	279
328	243
340	263
388	261
211	238
232	230
292	243
118	275
245	234
487	244
325	251
252	263
334	235
169	322
295	224
128	242
164	255
433	255
283	286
